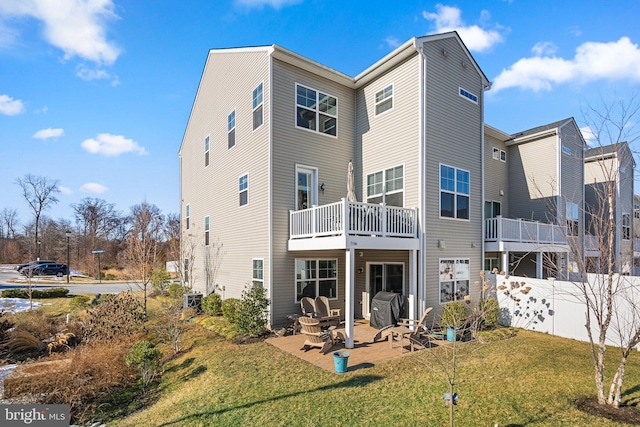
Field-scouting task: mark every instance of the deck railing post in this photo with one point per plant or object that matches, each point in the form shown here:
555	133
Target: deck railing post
499	228
346	227
314	210
383	218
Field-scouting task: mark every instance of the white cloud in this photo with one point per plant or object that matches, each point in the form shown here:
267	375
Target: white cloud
93	188
448	18
392	42
10	106
593	61
277	4
112	145
77	27
588	135
544	48
48	133
65	190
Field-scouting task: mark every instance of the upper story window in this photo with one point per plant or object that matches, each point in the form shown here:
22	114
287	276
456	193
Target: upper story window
384	100
626	226
243	189
186	216
636	211
258	272
206	230
316	111
572	219
257	107
206	151
390	182
499	154
468	95
454	192
231	128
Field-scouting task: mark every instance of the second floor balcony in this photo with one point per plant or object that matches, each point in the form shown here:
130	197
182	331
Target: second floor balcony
520	234
345	224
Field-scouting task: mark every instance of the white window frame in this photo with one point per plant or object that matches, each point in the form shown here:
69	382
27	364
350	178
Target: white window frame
207	230
257	280
316	279
187	215
468	95
256	104
231	129
385	180
455	193
384	100
493	260
244	189
316	110
572	217
453	279
207	150
313	186
496	153
626	226
503	156
492	205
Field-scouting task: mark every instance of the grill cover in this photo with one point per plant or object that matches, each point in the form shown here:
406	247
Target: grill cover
386	309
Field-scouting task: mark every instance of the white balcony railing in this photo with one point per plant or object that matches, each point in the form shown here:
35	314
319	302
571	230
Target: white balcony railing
522	231
363	219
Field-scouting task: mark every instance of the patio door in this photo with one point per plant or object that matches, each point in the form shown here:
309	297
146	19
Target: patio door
387	277
306	187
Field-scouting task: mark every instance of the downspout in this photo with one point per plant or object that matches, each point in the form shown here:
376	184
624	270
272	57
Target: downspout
561	207
270	187
422	146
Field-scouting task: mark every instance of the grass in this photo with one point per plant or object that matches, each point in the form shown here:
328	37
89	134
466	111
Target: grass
531	379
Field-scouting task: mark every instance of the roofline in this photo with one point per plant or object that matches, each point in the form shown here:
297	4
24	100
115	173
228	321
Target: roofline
387	62
496	133
543	133
310	65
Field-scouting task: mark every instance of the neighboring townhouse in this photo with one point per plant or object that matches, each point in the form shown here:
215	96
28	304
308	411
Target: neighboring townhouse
609	171
534	200
263	167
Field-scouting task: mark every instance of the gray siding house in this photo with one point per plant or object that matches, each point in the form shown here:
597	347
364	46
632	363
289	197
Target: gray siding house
264	170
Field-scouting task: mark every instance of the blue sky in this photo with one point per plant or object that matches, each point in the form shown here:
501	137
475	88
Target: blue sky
96	93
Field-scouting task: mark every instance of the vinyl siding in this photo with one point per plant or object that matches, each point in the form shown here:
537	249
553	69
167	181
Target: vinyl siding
572	175
241	230
496	174
454	137
291	146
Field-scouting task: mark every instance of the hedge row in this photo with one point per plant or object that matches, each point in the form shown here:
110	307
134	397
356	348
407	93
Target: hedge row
36	293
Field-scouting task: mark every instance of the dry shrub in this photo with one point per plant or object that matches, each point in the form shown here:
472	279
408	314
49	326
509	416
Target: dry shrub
90	373
35	322
115	317
21	341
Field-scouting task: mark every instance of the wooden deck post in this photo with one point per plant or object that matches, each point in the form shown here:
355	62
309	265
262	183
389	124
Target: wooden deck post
349	290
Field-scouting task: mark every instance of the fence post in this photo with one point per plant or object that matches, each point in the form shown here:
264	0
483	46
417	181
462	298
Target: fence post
345	223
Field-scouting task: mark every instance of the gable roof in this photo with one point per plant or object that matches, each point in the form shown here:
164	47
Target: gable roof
541	129
618	149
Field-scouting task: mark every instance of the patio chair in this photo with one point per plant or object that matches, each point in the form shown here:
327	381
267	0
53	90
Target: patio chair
308	306
409	329
324	313
314	336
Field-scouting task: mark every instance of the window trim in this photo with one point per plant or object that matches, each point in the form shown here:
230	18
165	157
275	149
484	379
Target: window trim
253	271
503	156
261	104
317	278
463	93
384	183
499	154
314	184
454	192
376	103
207	230
241	190
187	215
455	280
316	110
207	150
626	228
232	129
572	224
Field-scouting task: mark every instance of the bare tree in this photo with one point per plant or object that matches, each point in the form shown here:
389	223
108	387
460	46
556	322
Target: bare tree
40	194
9	218
140	255
213	255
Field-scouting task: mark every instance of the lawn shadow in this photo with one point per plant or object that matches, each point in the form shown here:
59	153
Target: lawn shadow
185	364
351	382
631	400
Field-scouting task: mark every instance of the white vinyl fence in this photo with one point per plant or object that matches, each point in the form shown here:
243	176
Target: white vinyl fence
556	307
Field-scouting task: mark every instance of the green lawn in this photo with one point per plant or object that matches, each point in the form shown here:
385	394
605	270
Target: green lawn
529	380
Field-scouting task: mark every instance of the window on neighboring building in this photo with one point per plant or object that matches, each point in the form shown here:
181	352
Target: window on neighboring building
454	279
206	230
316	277
491	263
636	211
468	95
503	156
316	111
626	226
206	151
243	189
391	182
492	209
454	192
384	100
186	216
573	225
231	129
258	272
257	107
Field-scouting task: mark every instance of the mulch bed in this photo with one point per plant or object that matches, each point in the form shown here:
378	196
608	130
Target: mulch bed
623	414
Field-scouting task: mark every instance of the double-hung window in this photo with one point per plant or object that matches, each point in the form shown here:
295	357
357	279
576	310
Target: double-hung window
258	272
389	182
243	189
572	215
454	279
454	192
384	100
316	111
316	277
231	129
206	230
186	216
257	107
206	151
626	226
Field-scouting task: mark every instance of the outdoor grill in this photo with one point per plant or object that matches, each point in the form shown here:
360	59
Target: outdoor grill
386	309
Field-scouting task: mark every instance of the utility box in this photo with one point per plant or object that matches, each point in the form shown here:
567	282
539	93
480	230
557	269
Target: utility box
192	300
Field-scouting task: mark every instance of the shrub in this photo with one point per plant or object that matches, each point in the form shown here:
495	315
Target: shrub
34	322
116	316
145	357
230	310
454	314
176	290
252	311
160	281
38	294
490	309
171	323
212	304
80	302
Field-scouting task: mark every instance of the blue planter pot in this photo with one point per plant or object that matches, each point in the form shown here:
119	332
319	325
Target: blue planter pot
451	333
340	359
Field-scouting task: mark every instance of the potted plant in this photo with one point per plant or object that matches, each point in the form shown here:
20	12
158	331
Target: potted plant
454	317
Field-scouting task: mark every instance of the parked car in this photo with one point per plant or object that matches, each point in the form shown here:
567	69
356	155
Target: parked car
32	263
58	270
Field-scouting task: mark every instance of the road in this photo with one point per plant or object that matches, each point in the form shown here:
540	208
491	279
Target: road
10	278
